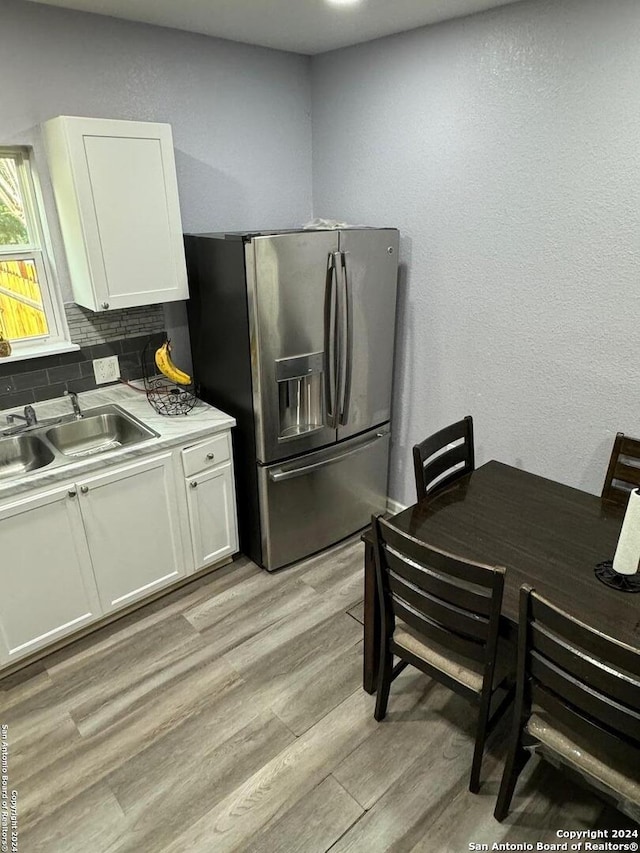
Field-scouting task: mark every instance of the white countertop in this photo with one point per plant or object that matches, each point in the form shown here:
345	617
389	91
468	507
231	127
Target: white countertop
202	420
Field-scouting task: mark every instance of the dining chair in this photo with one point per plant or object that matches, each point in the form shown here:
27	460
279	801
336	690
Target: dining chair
441	614
577	704
623	473
433	460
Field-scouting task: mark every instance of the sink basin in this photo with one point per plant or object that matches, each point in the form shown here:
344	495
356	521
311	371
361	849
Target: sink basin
99	430
22	453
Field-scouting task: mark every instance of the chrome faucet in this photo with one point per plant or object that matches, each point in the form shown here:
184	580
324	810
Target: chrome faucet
29	417
77	411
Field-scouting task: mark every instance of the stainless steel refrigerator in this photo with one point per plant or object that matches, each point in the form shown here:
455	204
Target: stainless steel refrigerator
293	334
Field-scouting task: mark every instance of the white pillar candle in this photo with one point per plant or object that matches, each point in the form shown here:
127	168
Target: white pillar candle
627	553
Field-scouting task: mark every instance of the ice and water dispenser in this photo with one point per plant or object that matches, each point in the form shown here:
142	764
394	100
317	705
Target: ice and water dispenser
300	394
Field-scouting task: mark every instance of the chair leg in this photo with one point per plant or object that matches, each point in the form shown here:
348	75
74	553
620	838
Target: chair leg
478	751
516	760
385	676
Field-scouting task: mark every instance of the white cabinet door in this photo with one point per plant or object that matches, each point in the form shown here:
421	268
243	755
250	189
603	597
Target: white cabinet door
47	589
132	526
212	515
117	197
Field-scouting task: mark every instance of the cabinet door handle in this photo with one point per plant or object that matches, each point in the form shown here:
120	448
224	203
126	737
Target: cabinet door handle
84	489
72	493
193	484
105	305
211	456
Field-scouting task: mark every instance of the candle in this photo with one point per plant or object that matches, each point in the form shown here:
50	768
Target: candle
627	555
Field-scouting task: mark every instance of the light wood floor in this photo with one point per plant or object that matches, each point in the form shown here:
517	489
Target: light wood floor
230	716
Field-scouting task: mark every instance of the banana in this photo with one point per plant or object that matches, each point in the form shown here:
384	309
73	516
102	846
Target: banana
166	366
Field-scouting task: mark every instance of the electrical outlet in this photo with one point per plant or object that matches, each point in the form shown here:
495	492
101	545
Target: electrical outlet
106	369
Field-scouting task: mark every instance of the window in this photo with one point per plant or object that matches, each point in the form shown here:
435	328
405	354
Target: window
30	311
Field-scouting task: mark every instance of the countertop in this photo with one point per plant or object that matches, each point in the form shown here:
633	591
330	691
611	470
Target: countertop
202	420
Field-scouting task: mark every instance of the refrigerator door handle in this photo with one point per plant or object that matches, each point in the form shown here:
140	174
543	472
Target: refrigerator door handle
346	350
279	476
330	342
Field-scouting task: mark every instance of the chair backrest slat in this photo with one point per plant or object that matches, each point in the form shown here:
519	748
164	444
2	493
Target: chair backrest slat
446	435
448	588
432	631
453	602
622	477
428	471
593	675
445	461
629	474
583	698
589	670
439	561
582	637
452	618
583	728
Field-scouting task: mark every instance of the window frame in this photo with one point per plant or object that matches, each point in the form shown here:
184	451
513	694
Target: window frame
37	250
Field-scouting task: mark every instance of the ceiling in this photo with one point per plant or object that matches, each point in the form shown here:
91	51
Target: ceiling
301	26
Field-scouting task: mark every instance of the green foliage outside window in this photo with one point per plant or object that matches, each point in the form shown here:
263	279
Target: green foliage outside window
12	229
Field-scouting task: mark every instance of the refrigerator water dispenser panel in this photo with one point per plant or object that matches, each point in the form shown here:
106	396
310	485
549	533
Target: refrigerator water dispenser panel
300	394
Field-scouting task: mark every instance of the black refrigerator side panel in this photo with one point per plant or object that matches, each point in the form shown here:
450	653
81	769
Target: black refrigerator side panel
220	349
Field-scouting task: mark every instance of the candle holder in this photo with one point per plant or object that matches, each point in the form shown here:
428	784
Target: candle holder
607	575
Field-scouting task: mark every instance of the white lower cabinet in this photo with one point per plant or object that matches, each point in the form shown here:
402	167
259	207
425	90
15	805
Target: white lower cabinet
131	520
79	551
212	515
47	588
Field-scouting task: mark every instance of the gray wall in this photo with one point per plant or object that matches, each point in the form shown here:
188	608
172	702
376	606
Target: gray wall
506	147
241	115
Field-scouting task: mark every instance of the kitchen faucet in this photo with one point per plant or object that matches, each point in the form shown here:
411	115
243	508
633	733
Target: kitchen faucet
77	411
29	417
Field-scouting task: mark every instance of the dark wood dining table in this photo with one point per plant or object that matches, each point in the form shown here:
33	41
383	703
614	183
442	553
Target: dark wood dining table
545	534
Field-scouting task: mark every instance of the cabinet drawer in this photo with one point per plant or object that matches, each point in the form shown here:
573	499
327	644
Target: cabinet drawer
207	454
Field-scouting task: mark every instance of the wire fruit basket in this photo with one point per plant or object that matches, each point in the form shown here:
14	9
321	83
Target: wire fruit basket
166	397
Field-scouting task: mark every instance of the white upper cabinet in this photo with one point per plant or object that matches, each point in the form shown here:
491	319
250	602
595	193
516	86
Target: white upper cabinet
117	197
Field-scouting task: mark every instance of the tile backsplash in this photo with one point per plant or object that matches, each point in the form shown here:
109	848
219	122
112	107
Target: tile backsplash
123	333
88	328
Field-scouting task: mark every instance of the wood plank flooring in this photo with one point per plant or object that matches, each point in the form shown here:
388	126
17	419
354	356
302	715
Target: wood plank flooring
229	716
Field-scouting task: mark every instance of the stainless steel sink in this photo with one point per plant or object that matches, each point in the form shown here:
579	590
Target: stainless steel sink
58	441
22	453
100	430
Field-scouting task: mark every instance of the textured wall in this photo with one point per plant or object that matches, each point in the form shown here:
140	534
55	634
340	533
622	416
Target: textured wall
506	148
240	115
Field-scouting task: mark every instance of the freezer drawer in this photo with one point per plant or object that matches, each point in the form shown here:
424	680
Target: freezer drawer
311	502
